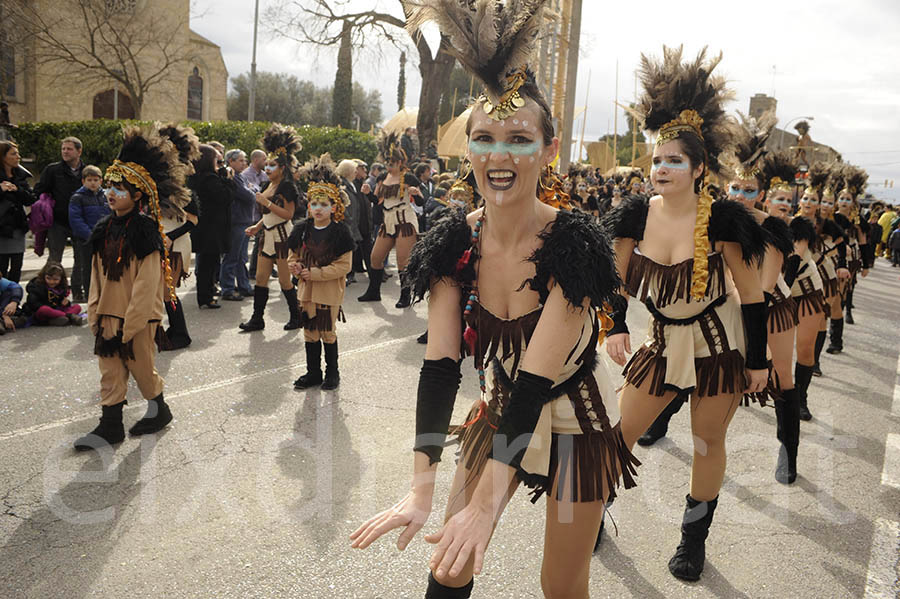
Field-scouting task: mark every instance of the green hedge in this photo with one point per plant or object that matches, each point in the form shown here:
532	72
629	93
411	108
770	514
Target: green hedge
102	139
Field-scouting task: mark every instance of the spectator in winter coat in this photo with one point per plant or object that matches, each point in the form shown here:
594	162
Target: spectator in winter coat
15	194
11	314
210	238
48	298
894	245
61	180
87	206
234	277
346	170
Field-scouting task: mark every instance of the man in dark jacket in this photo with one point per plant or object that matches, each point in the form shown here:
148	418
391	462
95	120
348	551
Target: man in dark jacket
234	277
61	180
211	237
407	143
87	206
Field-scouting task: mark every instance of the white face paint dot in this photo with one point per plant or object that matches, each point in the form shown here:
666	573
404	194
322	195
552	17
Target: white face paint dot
515	121
516	160
531	159
484	158
503	123
524	123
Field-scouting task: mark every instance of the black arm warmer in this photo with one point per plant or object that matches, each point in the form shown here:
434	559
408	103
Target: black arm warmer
791	268
755	327
520	417
438	384
864	254
620	308
842	255
178	232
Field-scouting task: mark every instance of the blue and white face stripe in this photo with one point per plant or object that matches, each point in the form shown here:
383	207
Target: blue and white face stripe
736	191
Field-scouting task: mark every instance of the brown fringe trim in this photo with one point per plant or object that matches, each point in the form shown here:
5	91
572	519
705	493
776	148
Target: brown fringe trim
670	283
720	373
177	263
772	392
405	230
114	262
110	348
476	439
782	315
162	340
320	322
281	250
498	336
830	287
810	304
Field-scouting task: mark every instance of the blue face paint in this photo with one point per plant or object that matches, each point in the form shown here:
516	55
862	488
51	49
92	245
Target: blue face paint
737	191
502	147
679	166
119	193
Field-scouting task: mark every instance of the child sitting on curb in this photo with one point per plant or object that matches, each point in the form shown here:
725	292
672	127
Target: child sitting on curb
48	301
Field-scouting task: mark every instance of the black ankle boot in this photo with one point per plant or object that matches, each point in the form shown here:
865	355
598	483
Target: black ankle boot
109	432
177	333
157	417
296	320
260	299
787	415
836	345
660	426
687	563
849	307
373	293
438	591
802	377
820	343
332	375
313	374
405	300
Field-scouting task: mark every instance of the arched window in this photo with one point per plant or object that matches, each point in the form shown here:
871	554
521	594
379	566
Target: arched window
7	67
195	96
105	105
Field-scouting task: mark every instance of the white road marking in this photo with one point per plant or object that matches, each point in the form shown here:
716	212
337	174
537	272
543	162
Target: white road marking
198	389
883	580
890	473
895	406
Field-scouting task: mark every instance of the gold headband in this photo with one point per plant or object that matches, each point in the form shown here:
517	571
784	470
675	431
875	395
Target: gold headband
324	191
510	101
278	153
460	190
135	174
779	184
688	120
751	173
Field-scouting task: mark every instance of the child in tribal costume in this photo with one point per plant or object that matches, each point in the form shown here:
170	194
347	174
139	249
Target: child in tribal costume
858	254
396	193
277	201
704	340
129	274
829	251
176	228
529	302
321	256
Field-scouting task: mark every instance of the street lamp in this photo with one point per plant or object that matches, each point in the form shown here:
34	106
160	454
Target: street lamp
781	143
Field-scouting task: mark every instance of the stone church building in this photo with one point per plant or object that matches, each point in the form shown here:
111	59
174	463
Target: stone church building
193	88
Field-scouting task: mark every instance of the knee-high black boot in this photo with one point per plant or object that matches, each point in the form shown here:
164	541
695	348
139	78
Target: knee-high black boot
820	343
787	415
332	374
687	563
849	307
836	345
296	319
660	426
156	418
405	293
373	293
109	432
438	591
260	299
177	333
313	374
802	377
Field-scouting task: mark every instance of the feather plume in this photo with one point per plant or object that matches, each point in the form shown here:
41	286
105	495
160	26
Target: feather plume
750	141
779	165
855	179
284	142
160	157
818	176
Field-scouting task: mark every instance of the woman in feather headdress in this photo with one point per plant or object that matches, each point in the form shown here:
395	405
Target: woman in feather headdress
704	341
400	227
528	282
858	261
830	253
129	277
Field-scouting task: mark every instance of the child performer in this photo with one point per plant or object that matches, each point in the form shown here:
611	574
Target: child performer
129	273
321	256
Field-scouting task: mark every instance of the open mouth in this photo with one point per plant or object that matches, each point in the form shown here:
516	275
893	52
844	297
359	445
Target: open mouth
662	181
501	180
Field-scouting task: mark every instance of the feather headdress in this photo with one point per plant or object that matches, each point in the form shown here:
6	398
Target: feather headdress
491	39
282	143
324	183
855	179
389	147
779	170
750	145
802	128
685	97
818	177
188	146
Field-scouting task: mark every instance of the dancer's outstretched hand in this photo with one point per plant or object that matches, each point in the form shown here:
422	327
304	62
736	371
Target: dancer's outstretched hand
618	347
410	512
464	536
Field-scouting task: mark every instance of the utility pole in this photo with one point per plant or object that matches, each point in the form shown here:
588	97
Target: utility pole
565	149
634	125
616	121
251	109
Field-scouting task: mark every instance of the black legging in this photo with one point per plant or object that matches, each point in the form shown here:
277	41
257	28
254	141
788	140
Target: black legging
11	266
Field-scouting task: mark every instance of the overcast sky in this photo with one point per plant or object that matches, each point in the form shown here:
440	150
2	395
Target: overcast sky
836	61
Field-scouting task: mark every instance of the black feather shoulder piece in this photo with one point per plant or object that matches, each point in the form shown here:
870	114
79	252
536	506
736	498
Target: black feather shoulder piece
803	229
731	221
842	221
779	235
340	239
628	219
576	253
832	229
140	235
442	253
298	234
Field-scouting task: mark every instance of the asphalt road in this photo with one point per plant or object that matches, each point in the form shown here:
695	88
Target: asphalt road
254	488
